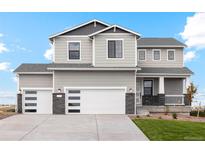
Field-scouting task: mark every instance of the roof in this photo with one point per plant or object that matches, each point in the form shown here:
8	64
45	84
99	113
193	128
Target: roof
76	27
159	42
165	71
114	26
42	68
48	68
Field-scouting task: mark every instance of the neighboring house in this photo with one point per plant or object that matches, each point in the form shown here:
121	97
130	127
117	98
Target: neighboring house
105	69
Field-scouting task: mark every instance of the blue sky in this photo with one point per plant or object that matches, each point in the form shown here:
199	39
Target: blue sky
24	39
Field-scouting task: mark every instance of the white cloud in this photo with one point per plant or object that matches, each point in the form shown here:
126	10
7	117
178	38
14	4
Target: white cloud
1	35
3	47
49	53
4	66
194	31
14	79
189	56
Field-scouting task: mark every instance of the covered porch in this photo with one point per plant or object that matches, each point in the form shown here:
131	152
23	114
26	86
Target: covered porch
162	87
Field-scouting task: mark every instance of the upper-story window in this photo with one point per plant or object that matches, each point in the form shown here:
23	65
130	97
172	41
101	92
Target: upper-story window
115	48
74	50
171	54
156	54
142	54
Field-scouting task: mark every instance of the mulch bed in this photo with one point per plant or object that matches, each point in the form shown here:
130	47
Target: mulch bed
169	117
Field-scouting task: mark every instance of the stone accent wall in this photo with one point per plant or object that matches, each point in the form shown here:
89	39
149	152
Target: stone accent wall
186	100
58	103
168	109
130	103
19	103
153	100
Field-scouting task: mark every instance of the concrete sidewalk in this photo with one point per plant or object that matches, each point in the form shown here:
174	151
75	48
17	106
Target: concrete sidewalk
70	128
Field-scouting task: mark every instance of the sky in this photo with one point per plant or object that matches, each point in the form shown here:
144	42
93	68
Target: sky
24	39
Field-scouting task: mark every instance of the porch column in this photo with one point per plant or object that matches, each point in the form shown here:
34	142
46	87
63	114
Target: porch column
185	85
161	95
161	85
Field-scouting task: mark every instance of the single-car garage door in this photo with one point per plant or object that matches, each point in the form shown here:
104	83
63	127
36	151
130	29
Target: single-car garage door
96	101
37	101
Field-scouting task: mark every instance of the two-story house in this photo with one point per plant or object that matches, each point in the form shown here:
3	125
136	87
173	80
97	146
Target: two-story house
105	69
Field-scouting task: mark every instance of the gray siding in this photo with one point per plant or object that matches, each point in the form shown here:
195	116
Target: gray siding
94	79
163	62
101	51
40	81
61	51
87	29
173	86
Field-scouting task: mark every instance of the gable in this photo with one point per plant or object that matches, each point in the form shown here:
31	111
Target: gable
115	30
86	29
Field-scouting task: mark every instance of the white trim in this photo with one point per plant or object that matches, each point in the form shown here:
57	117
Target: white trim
54	45
95	68
76	27
182	96
34	72
152	86
159	54
18	85
115	34
168	54
90	88
136	55
161	85
53	81
161	74
145	51
114	26
163	46
135	91
67	36
68	58
93	45
35	88
114	39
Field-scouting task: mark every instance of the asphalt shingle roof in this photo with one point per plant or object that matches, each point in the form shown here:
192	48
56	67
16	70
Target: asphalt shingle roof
143	42
152	70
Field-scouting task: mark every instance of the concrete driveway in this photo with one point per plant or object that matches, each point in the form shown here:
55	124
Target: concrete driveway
70	127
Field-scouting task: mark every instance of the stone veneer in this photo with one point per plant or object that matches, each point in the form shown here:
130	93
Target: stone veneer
130	103
58	103
19	103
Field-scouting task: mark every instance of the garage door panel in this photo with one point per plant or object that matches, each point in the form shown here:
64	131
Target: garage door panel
37	101
96	101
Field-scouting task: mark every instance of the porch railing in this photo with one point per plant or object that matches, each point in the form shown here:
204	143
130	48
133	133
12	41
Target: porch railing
174	99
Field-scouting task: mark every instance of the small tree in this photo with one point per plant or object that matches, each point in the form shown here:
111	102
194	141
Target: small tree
191	91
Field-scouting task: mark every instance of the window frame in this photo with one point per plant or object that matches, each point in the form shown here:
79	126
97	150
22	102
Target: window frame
68	55
153	50
168	54
114	39
152	87
145	51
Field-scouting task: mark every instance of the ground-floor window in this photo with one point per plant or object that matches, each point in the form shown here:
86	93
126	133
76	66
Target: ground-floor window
148	87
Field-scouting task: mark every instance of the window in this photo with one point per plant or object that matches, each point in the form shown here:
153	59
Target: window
156	54
74	50
170	54
148	87
142	54
115	49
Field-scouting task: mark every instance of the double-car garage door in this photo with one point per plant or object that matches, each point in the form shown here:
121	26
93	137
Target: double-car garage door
77	101
95	101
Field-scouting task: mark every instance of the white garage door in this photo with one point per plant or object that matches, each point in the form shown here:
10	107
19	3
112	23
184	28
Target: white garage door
96	101
37	101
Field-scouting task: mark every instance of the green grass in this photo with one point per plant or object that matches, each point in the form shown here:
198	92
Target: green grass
171	130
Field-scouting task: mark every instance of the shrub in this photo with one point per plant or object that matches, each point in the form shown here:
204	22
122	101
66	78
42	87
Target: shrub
159	117
194	113
174	115
137	116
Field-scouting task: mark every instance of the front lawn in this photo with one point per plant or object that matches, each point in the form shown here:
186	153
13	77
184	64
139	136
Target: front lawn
171	130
